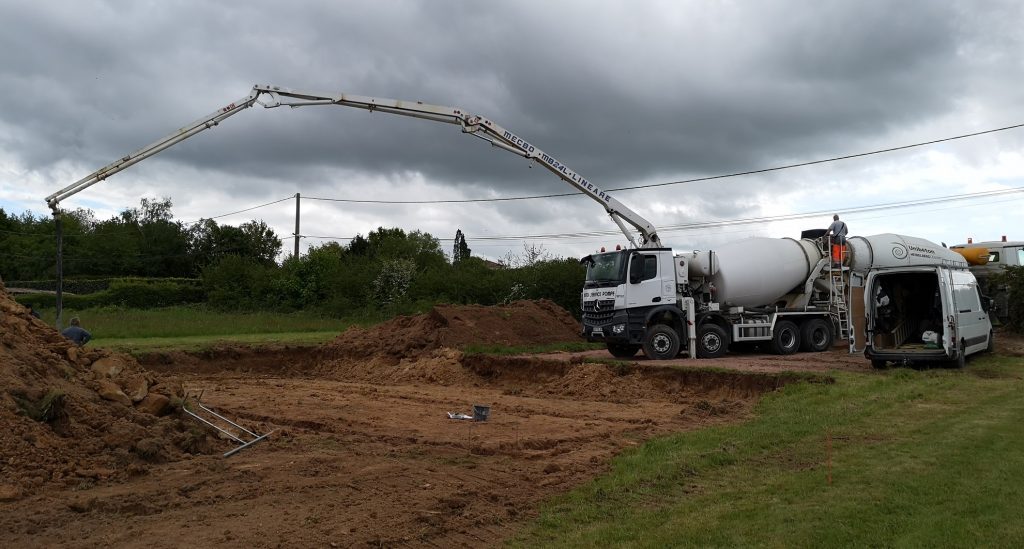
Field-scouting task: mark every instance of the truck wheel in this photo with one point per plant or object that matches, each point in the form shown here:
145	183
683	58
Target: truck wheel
786	339
623	350
712	342
661	342
815	336
878	364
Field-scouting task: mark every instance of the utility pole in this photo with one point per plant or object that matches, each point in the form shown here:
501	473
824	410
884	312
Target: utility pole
60	267
296	254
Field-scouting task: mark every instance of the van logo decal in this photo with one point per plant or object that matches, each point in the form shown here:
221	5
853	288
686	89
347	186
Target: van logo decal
899	251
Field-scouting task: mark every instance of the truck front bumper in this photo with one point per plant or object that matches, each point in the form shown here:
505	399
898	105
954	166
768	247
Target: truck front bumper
614	329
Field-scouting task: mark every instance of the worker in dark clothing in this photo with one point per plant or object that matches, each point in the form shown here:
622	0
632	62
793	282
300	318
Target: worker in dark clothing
838	230
76	333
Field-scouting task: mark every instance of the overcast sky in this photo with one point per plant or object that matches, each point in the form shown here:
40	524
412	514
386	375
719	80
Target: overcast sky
625	93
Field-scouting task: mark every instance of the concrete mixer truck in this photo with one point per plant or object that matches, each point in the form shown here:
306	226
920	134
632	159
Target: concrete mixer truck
783	293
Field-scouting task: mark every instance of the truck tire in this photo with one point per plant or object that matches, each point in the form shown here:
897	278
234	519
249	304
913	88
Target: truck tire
623	350
879	364
661	342
712	341
786	339
815	336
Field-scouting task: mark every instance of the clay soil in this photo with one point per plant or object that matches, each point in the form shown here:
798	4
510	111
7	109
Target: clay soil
361	451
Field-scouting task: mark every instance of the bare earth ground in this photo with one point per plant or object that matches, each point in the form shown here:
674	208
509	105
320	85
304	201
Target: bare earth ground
838	358
363	452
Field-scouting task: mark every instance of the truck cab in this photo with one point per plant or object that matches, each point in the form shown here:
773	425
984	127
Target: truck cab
625	294
924	314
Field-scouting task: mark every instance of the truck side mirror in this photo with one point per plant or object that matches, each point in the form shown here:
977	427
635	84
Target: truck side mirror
636	269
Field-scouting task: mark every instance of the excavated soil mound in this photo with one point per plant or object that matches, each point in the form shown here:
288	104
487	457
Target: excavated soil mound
73	415
455	326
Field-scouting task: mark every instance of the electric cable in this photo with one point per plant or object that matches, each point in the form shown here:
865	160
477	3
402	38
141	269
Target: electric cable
682	181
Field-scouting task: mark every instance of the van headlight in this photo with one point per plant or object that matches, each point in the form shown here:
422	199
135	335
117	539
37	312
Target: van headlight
618	329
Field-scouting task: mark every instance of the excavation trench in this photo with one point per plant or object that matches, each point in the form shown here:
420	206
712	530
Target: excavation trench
363	450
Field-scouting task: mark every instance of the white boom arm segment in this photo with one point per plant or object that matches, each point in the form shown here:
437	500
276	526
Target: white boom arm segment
178	136
472	124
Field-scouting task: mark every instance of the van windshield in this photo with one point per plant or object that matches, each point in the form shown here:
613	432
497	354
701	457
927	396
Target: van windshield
606	269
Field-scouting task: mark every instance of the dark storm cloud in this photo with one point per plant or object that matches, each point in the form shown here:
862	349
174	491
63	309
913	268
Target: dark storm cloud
622	93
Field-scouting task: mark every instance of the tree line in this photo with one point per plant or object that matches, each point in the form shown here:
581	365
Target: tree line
388	271
143	241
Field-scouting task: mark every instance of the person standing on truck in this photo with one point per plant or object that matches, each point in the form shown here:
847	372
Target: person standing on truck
77	333
837	230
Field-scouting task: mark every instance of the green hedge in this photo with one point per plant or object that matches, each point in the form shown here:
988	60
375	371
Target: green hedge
134	293
90	285
1012	278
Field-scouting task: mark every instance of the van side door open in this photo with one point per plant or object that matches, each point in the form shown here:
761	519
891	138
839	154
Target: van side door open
972	319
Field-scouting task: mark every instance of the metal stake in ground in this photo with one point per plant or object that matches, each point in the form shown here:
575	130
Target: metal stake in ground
240	437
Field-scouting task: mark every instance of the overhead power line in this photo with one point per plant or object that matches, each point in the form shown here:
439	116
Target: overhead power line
239	211
681	181
682	227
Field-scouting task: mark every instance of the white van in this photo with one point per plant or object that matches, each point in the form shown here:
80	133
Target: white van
924	313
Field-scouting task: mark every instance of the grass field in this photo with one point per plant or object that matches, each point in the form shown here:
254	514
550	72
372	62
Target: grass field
899	458
192	328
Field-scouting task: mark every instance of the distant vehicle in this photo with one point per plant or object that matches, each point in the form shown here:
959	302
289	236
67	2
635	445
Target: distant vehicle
1001	253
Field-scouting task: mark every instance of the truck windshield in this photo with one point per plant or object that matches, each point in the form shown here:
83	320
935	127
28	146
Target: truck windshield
606	268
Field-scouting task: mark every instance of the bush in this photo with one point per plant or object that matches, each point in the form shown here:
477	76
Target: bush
90	285
1013	280
238	283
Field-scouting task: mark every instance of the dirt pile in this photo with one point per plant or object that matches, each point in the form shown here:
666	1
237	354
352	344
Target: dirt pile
455	326
72	415
426	347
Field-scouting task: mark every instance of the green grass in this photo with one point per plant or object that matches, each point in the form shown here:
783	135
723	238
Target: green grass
113	322
197	327
918	459
198	343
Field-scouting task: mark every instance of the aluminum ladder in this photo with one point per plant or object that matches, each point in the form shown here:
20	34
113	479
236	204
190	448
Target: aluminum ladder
840	302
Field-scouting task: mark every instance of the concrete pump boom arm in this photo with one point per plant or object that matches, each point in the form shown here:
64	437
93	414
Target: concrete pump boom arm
483	128
475	125
178	136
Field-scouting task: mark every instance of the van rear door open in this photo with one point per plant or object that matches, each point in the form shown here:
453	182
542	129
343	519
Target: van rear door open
919	314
